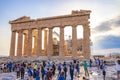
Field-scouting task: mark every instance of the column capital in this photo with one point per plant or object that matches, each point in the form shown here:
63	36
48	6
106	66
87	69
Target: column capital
75	25
20	30
39	28
30	29
14	31
62	26
50	28
87	24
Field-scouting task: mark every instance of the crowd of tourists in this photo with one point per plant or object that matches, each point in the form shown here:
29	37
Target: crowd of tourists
47	70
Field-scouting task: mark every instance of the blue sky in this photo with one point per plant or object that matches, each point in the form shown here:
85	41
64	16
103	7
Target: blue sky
105	18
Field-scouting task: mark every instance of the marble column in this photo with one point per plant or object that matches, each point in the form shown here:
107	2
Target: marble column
35	45
50	44
86	41
12	46
19	44
74	41
29	43
39	42
61	44
25	44
45	40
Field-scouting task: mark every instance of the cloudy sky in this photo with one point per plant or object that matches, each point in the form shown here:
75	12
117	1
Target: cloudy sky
105	18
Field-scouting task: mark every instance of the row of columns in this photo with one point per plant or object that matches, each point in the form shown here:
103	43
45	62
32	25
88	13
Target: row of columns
50	41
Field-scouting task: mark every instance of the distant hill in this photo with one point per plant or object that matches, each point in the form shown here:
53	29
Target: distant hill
106	52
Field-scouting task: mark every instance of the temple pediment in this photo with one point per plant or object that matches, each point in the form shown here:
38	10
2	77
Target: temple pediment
21	19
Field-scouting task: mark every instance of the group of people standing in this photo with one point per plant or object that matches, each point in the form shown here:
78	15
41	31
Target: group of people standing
47	70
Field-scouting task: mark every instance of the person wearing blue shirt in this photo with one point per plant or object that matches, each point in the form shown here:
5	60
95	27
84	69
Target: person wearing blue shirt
37	74
62	76
71	71
29	70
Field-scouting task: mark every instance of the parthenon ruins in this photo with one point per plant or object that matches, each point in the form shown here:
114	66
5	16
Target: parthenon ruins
28	30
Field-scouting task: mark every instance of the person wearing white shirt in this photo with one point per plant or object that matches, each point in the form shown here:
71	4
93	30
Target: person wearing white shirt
117	62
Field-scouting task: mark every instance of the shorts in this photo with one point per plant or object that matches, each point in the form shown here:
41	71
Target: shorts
104	73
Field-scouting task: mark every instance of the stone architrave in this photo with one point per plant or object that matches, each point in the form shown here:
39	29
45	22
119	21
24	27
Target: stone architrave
86	41
39	42
12	46
74	41
19	45
29	43
61	44
50	44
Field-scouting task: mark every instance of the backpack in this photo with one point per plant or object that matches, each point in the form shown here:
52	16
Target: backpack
65	69
30	72
34	74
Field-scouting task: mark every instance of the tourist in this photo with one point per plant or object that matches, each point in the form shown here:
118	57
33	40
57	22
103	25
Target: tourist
14	67
103	67
22	70
78	68
34	74
24	65
18	71
44	63
98	63
42	72
71	71
46	71
49	61
5	67
49	74
10	65
117	62
29	71
65	69
54	68
90	63
37	74
62	76
59	69
35	66
86	68
2	67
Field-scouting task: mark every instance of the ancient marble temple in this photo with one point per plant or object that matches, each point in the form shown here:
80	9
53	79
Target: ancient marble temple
29	35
